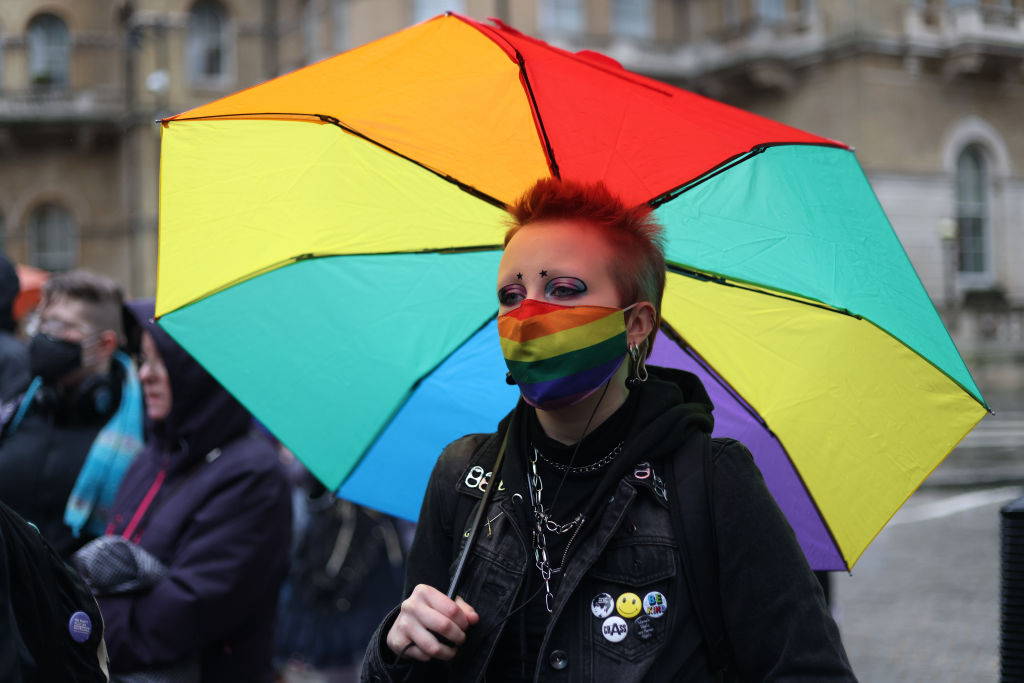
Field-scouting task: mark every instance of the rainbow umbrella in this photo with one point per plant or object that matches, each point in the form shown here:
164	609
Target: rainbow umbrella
329	243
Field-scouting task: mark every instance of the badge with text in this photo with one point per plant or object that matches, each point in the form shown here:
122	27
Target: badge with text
655	605
602	605
80	627
628	605
643	627
614	629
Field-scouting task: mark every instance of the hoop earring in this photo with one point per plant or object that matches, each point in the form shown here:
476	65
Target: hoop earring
638	374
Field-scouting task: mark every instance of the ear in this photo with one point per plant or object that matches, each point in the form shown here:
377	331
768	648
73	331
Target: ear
639	323
107	343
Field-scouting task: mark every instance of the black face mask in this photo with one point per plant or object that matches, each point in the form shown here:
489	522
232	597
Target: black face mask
52	358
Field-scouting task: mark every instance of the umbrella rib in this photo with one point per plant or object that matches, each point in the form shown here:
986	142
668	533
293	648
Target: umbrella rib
326	118
412	389
726	165
716	377
536	112
719	280
309	256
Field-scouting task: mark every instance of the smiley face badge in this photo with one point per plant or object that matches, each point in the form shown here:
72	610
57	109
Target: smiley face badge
628	605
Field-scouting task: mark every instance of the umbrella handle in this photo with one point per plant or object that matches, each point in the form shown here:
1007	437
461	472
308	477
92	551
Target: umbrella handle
480	511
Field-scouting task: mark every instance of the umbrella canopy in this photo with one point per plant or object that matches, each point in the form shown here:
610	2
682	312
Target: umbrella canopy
329	243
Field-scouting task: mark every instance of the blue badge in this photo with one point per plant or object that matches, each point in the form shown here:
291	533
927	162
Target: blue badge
80	627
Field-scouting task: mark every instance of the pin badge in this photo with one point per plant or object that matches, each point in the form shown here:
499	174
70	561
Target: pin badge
643	627
628	605
655	605
80	627
602	605
614	629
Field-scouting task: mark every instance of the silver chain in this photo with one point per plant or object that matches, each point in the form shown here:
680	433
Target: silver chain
592	467
542	522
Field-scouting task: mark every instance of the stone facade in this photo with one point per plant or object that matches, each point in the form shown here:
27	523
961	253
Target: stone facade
911	84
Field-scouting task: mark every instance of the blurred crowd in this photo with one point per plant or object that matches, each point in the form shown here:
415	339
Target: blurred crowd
150	528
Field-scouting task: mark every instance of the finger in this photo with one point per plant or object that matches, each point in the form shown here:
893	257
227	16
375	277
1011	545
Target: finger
427	644
430	619
471	616
410	639
442	604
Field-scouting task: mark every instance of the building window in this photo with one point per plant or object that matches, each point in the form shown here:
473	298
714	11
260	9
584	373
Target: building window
632	19
52	244
730	13
771	10
428	9
49	51
972	210
561	16
340	20
207	41
310	30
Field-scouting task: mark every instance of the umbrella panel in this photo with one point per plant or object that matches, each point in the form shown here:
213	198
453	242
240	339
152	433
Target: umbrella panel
734	419
466	394
862	417
250	216
803	219
340	364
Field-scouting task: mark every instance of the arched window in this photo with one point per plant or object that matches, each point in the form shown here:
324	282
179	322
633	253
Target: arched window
562	16
632	19
49	51
207	41
52	244
972	210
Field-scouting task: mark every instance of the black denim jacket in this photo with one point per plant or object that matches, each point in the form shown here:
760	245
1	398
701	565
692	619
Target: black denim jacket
775	614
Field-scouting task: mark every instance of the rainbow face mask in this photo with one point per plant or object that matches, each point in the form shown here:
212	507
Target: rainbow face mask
559	355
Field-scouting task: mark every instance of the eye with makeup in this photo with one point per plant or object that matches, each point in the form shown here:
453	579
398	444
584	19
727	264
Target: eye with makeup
564	287
511	295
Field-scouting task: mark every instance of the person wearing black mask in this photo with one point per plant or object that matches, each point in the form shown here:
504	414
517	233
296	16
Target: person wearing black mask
68	440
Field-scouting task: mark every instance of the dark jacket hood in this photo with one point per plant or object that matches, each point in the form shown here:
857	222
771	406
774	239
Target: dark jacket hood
10	286
203	414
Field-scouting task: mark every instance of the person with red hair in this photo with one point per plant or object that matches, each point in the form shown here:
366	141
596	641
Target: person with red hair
617	540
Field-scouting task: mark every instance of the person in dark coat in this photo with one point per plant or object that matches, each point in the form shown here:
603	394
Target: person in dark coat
587	564
14	377
209	498
71	435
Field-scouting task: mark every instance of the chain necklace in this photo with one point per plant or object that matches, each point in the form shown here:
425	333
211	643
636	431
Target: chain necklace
582	469
542	523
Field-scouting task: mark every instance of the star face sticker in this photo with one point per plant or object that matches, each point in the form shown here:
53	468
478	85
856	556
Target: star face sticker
519	276
543	273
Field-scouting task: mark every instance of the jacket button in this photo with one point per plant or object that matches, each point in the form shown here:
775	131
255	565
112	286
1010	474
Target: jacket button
558	659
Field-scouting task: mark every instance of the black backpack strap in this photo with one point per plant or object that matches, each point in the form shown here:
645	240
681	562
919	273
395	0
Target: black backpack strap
692	512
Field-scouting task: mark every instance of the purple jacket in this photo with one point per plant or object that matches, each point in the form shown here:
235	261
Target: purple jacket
209	498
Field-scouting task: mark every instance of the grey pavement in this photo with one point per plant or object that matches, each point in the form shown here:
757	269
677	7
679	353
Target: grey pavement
922	603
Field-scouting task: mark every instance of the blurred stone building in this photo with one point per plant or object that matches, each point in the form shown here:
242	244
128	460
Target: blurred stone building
929	92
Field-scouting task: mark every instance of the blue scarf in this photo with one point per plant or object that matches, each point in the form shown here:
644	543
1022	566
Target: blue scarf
114	449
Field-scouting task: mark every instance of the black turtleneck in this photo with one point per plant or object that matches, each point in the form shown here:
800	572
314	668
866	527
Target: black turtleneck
565	494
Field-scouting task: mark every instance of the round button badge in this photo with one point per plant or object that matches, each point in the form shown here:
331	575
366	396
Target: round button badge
80	627
643	627
614	629
655	604
628	605
602	605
